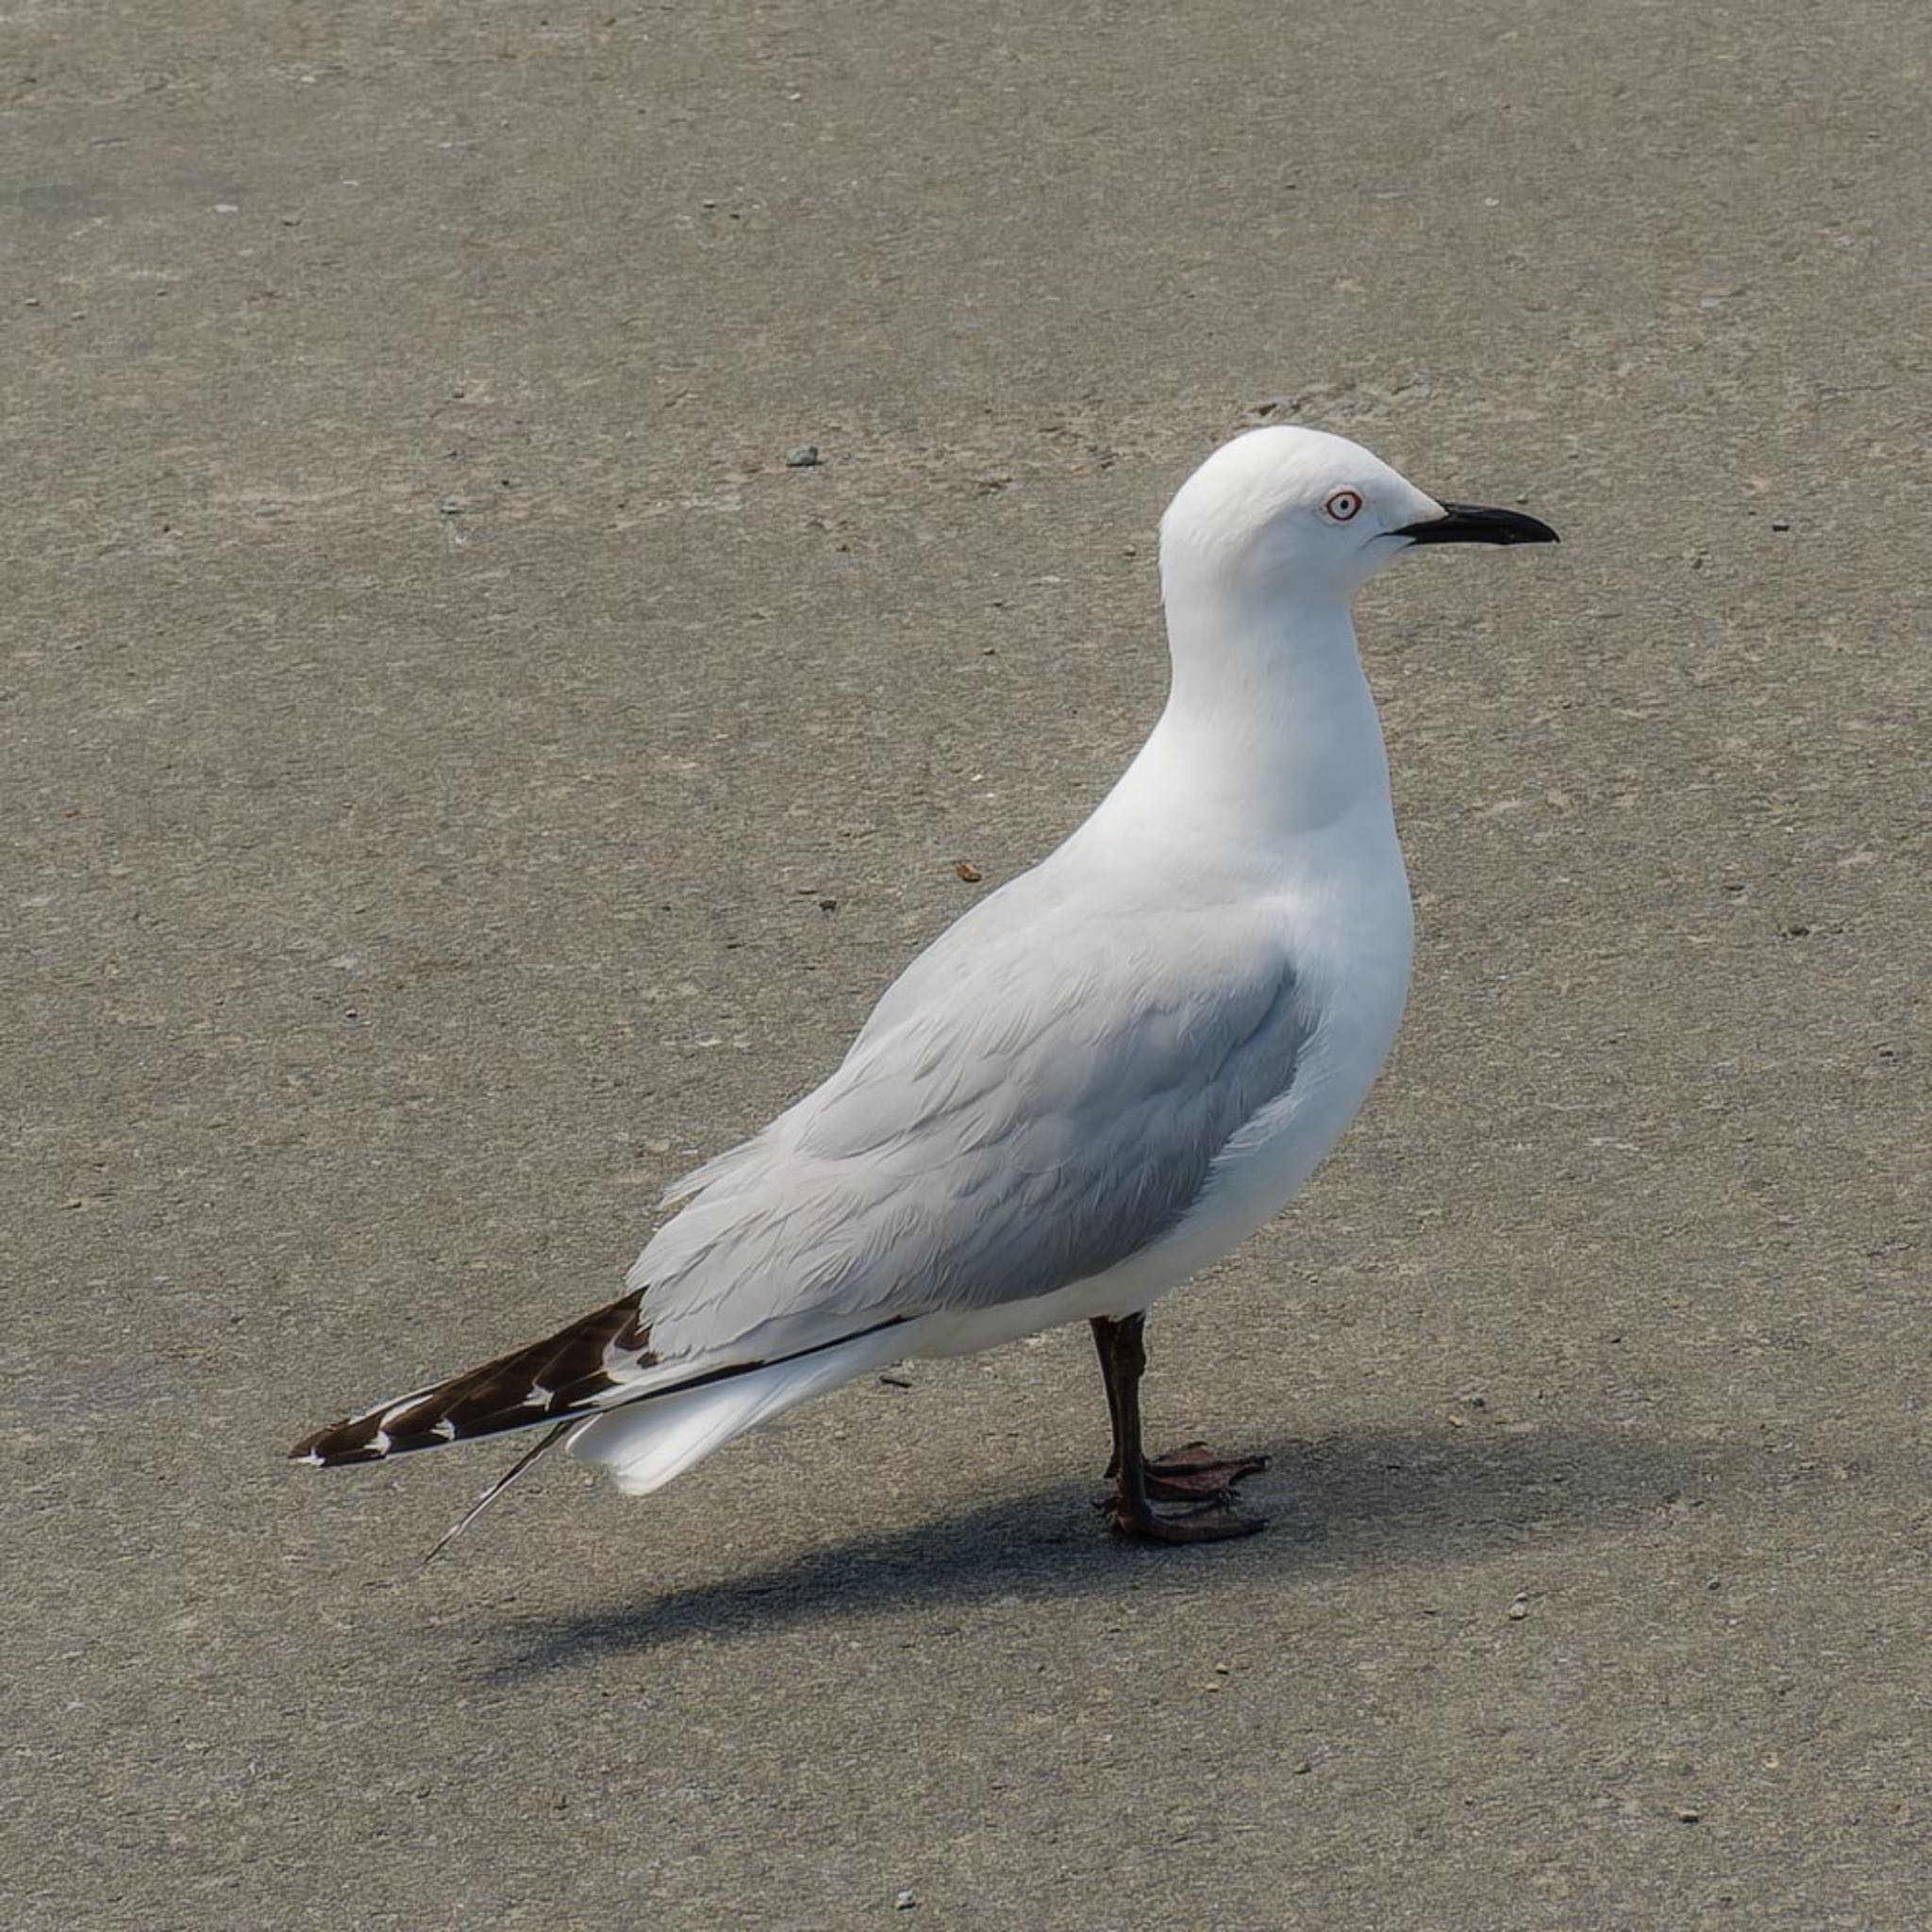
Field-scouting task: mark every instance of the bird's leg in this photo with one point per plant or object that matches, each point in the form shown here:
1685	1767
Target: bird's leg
1190	1474
1103	1334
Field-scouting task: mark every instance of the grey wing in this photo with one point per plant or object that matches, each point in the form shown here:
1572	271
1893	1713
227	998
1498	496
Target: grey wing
1030	1114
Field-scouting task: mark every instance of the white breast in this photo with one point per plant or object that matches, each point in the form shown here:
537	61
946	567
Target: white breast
1347	924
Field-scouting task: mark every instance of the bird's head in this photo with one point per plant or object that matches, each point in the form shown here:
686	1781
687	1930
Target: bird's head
1284	510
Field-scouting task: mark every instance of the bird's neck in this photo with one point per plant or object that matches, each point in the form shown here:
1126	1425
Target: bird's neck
1269	732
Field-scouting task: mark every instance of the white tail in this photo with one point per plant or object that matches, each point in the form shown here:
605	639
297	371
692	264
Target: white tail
644	1444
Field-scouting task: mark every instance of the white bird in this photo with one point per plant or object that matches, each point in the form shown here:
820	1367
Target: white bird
1107	1075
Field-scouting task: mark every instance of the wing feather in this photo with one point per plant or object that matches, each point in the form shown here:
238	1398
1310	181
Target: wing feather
996	1132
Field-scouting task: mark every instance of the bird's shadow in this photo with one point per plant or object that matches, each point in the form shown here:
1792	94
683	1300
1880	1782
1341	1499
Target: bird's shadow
1360	1497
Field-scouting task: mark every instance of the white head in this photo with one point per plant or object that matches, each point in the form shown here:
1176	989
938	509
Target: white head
1290	511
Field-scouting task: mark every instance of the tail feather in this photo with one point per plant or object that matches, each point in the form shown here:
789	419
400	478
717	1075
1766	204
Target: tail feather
573	1371
642	1444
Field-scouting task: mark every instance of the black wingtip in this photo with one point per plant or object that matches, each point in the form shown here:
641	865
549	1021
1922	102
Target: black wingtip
562	1374
352	1440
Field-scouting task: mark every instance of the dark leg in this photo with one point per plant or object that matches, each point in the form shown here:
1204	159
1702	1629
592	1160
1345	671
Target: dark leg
1189	1474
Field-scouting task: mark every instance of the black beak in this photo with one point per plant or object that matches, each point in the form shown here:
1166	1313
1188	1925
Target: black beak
1469	522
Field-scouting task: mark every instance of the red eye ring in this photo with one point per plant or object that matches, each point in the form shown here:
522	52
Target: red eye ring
1344	504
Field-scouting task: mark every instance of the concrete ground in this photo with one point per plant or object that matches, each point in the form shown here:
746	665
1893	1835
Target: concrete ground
456	775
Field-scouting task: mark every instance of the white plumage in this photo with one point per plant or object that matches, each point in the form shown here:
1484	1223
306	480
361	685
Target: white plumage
1107	1075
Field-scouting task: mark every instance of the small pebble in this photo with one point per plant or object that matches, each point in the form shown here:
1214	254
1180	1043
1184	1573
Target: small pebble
1781	523
805	456
905	1901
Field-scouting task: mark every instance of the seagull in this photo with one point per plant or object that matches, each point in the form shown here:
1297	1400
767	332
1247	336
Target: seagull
1107	1075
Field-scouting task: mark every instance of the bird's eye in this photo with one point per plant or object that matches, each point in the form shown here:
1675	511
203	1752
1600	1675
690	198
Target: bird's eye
1342	505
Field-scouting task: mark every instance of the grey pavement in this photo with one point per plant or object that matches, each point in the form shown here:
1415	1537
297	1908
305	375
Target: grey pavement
457	773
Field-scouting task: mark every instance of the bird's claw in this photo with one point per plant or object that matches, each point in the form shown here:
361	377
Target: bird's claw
1193	1476
1206	1523
1194	1473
